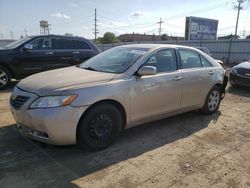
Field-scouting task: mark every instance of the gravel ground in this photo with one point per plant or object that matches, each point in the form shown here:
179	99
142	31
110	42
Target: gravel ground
188	150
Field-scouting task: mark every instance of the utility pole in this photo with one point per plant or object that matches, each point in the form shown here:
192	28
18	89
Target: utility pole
160	29
11	34
95	24
25	32
238	7
243	33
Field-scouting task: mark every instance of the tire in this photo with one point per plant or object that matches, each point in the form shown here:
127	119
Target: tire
5	78
212	102
99	127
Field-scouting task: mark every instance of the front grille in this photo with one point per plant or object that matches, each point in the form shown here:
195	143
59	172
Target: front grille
18	101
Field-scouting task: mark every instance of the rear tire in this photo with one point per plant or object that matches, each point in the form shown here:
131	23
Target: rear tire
212	102
99	127
5	78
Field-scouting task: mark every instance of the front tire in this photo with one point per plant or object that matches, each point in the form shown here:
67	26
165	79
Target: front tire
212	102
99	127
5	78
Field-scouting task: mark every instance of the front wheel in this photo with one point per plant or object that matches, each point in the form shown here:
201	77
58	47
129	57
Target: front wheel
212	101
99	127
5	78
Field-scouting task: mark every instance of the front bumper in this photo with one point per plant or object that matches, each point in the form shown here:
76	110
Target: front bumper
50	125
238	79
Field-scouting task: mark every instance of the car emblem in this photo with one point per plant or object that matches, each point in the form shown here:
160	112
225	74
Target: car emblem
13	96
247	74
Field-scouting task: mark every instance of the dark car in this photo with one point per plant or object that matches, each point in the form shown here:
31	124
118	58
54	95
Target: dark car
240	74
35	54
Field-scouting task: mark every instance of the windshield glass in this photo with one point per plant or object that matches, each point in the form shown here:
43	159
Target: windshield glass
17	43
116	60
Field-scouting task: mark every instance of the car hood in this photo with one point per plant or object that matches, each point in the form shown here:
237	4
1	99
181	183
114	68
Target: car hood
244	65
57	81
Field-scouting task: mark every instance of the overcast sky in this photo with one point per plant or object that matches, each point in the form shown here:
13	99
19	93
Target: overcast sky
126	16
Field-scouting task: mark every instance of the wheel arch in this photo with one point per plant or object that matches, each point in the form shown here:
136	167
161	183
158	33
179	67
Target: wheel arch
115	103
9	69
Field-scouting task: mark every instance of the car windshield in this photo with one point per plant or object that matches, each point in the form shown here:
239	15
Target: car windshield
116	60
17	43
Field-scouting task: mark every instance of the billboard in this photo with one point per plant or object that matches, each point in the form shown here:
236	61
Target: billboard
200	28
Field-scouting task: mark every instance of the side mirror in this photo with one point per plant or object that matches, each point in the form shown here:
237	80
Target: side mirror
147	70
27	47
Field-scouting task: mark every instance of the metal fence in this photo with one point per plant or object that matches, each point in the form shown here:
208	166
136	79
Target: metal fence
230	51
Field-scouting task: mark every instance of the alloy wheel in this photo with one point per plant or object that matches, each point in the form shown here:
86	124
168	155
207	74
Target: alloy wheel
213	100
3	78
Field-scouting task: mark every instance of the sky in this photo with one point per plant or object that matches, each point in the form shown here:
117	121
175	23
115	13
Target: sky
120	17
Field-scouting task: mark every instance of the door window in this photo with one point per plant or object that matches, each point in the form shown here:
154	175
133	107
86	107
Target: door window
64	44
189	59
163	60
47	44
205	62
36	44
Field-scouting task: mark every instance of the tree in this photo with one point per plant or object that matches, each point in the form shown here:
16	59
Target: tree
109	38
229	37
164	37
248	37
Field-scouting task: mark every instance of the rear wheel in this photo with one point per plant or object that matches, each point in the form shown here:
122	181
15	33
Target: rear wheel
212	101
100	127
5	78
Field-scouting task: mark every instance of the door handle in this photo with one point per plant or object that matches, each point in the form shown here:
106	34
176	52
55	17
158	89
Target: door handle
49	53
177	78
75	52
211	72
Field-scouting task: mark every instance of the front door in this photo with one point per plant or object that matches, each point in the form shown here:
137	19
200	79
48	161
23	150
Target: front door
155	95
35	60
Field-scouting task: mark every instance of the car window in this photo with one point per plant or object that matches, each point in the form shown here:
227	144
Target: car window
205	62
64	44
189	59
115	60
46	44
163	60
36	44
82	45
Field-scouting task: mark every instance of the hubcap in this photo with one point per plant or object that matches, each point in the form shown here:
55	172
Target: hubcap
100	127
3	78
213	100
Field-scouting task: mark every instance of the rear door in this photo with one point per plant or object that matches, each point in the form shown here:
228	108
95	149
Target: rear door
64	48
195	78
83	51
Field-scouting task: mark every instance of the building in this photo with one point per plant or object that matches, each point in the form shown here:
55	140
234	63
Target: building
143	37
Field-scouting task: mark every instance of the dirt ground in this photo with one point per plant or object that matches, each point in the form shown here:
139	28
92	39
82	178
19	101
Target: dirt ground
188	150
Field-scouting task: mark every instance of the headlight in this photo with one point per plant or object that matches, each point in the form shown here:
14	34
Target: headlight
53	101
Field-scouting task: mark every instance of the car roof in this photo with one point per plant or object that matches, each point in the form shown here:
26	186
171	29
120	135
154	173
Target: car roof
156	46
59	36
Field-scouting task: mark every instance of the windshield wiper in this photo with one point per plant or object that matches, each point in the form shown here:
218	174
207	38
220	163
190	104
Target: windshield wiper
89	68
